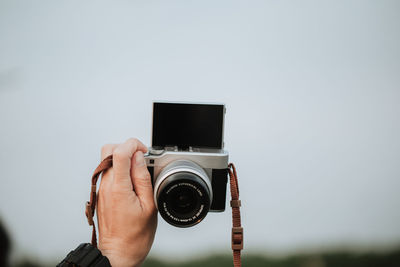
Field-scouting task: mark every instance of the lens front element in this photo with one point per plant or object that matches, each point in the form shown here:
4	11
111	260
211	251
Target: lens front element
183	197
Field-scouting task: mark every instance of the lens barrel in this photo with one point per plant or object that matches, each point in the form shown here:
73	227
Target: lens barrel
183	193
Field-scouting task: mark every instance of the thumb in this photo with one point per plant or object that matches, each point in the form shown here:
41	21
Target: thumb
141	181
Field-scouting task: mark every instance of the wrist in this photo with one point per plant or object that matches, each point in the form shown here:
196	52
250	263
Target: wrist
118	260
120	256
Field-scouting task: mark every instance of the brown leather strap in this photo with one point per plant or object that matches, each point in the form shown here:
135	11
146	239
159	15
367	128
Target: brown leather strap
91	204
237	229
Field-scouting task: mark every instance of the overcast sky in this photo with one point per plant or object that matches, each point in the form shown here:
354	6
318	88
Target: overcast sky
312	90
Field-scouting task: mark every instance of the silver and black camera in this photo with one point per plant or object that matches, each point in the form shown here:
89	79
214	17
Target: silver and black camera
187	162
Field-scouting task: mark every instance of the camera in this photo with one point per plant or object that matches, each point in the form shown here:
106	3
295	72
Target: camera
187	161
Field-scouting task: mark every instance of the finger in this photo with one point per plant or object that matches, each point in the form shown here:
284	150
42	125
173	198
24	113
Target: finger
122	157
106	180
107	150
141	180
105	183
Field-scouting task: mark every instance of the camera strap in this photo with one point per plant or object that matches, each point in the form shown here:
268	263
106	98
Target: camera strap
91	204
237	229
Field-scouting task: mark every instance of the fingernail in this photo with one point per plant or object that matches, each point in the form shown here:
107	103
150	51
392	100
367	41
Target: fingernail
139	161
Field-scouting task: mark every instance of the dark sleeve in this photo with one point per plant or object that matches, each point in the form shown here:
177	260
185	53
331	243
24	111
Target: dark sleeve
85	255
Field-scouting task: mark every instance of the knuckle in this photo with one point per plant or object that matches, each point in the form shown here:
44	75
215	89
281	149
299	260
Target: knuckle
120	154
143	177
133	141
106	148
120	190
146	176
144	183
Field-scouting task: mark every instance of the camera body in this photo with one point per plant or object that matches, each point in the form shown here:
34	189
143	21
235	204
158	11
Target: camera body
187	162
213	161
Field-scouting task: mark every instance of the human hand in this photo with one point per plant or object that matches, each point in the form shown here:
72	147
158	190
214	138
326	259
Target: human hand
126	212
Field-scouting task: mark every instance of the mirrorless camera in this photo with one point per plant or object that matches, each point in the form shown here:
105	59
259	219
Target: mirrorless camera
187	162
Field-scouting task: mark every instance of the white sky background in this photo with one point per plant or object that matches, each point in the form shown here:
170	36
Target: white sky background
312	90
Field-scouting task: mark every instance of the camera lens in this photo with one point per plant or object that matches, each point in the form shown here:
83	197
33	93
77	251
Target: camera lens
183	196
183	200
